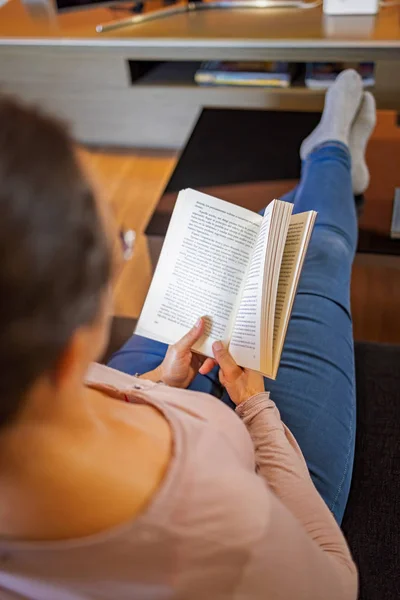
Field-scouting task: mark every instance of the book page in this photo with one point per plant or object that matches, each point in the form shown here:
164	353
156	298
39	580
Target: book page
297	239
201	270
245	340
275	248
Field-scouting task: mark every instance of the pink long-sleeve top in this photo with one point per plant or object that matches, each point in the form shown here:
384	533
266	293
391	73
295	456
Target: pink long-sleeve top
236	517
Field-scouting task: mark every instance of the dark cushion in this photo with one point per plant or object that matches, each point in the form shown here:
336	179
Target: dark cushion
372	519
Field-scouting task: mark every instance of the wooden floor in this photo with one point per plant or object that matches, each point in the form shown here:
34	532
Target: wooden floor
132	183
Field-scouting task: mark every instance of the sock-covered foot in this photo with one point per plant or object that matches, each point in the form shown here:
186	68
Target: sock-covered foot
342	102
360	133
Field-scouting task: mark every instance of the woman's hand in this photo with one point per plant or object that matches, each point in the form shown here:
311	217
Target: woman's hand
241	384
180	364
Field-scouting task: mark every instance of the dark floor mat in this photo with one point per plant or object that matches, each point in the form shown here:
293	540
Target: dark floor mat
239	146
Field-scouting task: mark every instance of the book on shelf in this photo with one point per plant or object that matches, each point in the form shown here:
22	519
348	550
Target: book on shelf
237	269
245	73
320	75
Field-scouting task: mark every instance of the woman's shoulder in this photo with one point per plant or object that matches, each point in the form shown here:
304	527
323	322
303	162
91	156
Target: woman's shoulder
194	413
211	480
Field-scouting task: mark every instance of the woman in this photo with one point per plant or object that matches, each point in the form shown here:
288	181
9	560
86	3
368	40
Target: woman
120	487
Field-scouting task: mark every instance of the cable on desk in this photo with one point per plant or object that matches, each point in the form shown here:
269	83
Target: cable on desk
203	6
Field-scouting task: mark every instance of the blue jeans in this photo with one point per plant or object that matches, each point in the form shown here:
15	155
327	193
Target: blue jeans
315	387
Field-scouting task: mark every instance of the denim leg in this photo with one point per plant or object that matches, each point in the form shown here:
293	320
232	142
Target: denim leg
315	386
141	354
289	197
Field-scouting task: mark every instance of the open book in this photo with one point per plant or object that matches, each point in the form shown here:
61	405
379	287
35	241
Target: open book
237	268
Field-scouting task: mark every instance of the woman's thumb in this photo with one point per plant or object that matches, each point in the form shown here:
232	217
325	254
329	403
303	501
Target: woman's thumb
229	367
191	337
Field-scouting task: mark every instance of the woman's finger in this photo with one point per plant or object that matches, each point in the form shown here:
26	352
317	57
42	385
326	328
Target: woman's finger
207	366
229	367
191	337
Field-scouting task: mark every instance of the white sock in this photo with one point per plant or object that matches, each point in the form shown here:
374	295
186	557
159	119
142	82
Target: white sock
360	133
342	102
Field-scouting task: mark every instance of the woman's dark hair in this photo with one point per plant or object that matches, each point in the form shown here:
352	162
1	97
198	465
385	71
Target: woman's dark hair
54	255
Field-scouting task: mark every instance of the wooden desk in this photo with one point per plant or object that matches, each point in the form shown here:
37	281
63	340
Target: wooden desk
61	63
